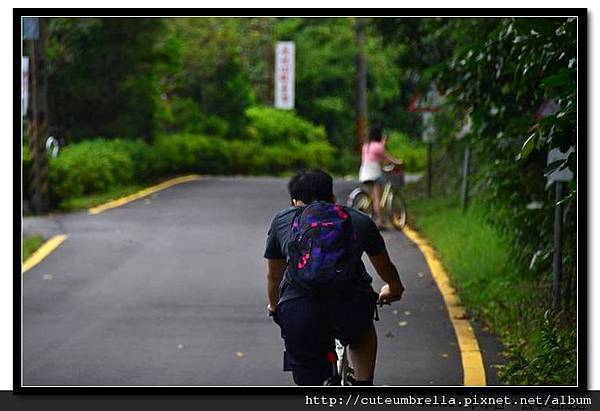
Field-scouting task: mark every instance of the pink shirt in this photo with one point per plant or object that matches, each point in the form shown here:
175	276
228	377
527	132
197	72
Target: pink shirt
373	151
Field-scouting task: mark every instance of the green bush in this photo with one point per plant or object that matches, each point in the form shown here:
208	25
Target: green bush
553	361
316	154
186	116
95	166
147	159
272	126
202	154
193	153
89	167
347	162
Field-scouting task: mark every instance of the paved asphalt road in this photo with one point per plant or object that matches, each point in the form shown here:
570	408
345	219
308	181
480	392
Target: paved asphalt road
170	290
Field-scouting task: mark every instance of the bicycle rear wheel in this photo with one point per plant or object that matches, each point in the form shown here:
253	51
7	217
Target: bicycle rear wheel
396	208
346	372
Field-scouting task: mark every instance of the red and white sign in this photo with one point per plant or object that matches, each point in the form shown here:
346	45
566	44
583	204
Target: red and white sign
284	75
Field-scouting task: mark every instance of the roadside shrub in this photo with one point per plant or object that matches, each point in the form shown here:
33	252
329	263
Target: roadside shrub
552	362
193	153
147	159
272	126
94	166
244	157
315	154
202	154
89	167
346	163
186	116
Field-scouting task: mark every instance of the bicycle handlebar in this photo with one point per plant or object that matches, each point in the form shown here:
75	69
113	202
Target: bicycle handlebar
393	169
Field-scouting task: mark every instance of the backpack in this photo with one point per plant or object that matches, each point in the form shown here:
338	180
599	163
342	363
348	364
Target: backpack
322	251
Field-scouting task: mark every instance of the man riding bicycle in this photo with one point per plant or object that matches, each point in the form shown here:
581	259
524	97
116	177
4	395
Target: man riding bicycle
311	317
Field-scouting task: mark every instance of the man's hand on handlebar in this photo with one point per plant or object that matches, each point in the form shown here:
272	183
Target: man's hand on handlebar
388	294
270	310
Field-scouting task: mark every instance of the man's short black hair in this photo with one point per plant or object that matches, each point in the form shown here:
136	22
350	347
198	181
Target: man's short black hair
311	185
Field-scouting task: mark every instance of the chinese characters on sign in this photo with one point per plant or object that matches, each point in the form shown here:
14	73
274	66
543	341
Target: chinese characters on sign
284	75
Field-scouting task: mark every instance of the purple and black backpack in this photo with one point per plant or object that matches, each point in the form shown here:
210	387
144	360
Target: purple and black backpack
323	252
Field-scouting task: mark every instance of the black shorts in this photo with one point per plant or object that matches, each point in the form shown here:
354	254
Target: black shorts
309	326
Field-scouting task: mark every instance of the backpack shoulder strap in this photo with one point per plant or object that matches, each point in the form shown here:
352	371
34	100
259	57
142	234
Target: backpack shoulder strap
296	217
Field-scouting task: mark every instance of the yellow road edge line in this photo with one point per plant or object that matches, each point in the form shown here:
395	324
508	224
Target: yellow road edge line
143	193
42	252
471	358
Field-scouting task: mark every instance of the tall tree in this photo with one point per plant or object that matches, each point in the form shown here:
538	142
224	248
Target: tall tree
102	78
208	90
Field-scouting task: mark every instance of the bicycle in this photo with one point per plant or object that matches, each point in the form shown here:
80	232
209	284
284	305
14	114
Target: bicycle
343	373
392	203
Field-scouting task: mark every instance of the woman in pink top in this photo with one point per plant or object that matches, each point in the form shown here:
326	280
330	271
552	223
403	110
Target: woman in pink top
370	173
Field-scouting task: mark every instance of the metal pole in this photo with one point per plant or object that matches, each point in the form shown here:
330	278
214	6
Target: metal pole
361	72
465	183
270	89
38	124
429	167
557	260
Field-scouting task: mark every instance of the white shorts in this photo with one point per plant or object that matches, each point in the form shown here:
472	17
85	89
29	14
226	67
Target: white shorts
370	171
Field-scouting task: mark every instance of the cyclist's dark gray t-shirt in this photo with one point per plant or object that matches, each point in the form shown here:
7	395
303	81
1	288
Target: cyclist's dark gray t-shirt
368	237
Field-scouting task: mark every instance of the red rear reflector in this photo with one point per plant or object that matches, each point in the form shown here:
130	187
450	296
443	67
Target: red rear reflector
331	357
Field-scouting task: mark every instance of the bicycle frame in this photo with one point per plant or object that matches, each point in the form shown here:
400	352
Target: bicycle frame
387	189
342	372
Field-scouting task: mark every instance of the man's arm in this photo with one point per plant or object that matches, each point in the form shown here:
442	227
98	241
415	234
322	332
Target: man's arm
394	288
275	270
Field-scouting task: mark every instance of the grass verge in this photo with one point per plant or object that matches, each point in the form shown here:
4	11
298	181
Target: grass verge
92	200
30	244
540	349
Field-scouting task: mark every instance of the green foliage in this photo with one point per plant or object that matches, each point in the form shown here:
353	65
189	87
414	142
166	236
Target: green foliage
186	116
272	126
554	364
479	259
89	167
200	75
193	153
201	154
148	161
346	163
92	200
411	151
326	76
94	167
31	244
502	75
325	73
205	90
102	76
